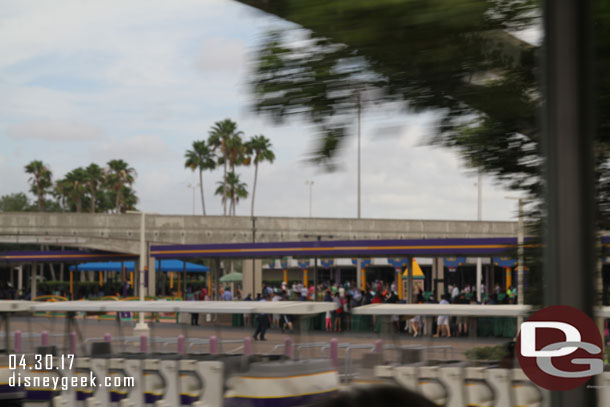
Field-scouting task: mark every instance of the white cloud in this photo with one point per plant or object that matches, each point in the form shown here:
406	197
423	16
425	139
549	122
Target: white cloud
142	80
54	130
141	148
221	55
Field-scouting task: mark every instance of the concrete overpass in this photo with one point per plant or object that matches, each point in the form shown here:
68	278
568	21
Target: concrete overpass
121	232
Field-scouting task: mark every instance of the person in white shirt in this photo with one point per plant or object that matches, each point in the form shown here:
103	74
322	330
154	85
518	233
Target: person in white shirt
442	322
276	317
455	292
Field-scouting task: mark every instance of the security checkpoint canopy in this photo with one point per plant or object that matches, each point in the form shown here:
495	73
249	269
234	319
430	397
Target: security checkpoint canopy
342	248
161	265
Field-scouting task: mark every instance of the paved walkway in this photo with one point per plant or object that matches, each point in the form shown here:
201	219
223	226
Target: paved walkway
97	329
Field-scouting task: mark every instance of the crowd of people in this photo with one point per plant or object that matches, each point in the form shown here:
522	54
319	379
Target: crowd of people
346	296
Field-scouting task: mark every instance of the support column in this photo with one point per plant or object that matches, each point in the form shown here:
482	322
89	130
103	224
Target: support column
19	281
358	273
438	276
479	278
253	277
33	285
569	126
410	280
137	276
152	277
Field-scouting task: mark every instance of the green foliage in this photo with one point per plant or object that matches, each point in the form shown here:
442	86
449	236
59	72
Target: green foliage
232	190
72	189
464	62
92	188
119	178
225	137
94	178
259	147
200	158
458	61
40	181
18	202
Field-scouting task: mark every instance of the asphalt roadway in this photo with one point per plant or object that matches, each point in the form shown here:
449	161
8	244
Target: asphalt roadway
233	337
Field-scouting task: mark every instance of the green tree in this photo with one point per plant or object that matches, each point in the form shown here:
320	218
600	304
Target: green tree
130	198
201	158
17	202
118	176
73	188
232	190
461	62
40	181
94	178
259	147
223	136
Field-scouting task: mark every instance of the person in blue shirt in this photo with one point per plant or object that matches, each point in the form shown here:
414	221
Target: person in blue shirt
227	296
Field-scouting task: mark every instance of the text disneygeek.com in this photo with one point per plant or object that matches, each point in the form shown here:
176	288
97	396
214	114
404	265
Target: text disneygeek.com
64	382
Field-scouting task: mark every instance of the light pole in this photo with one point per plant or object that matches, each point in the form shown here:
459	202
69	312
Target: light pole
479	217
193	187
310	184
142	327
520	255
358	106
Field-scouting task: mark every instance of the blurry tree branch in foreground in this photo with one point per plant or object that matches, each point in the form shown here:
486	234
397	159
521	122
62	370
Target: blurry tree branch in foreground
464	60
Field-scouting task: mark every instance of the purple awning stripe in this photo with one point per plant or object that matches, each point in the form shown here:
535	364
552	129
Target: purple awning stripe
59	256
434	247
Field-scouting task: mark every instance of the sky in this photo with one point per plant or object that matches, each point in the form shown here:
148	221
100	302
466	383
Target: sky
89	81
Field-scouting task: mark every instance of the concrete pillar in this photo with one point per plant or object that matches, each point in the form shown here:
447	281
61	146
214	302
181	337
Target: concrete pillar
19	280
358	273
33	284
152	277
136	278
438	273
253	277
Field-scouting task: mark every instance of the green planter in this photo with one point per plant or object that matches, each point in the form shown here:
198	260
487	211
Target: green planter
485	327
237	320
510	328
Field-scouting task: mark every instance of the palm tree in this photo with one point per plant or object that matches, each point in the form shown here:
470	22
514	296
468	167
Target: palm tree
221	136
40	181
94	177
201	157
60	192
235	190
120	174
129	198
260	148
74	186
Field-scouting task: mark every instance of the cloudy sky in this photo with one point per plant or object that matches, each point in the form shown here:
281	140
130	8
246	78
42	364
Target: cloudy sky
89	81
